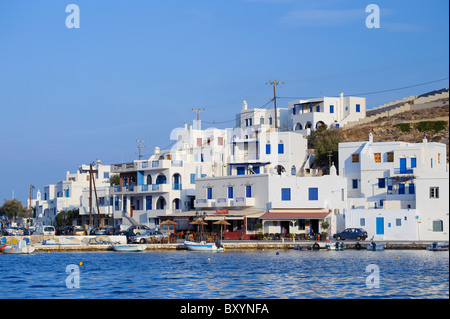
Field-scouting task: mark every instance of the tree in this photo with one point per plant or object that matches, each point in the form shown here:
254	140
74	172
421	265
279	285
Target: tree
324	141
114	180
66	218
13	209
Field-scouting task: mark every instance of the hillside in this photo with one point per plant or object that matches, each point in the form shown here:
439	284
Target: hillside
396	128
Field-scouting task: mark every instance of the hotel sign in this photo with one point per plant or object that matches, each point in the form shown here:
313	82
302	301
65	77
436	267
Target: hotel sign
222	211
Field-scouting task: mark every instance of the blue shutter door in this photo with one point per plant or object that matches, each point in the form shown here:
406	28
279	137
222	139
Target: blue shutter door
380	226
402	165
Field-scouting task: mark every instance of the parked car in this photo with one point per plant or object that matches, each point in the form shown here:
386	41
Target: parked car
147	236
45	230
351	233
78	231
98	231
129	235
139	229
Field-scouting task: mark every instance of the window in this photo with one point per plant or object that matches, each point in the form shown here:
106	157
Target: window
148	203
270	121
398	222
390	157
431	163
342	195
358	108
362	222
331	108
401	189
230	192
261	120
354	183
199	141
439	157
209	193
267	149
434	192
285	194
411	188
377	157
240	170
192	178
381	183
313	193
220	141
280	148
248	191
413	162
355	158
105	174
438	225
318	108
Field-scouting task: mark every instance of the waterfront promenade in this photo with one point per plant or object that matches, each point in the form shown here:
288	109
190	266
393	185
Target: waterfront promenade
228	244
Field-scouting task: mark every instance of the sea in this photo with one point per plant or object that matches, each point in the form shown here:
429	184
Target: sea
249	274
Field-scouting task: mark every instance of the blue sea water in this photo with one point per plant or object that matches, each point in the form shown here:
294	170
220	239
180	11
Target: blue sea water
227	275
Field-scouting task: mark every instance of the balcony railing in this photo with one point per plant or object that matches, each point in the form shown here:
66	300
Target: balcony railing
403	170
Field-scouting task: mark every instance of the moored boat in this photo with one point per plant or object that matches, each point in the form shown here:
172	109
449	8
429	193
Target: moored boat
376	246
20	248
438	246
203	246
129	248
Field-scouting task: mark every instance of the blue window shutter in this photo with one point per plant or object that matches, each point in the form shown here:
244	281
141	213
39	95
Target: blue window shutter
354	183
331	108
267	148
313	193
381	183
192	178
248	191
230	192
209	193
413	162
240	170
358	108
285	194
411	188
280	148
401	189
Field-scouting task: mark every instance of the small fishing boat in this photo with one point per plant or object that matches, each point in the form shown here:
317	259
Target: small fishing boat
438	246
20	248
129	248
339	246
376	246
203	246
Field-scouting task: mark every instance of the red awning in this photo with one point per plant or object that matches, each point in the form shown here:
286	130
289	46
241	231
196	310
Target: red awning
289	215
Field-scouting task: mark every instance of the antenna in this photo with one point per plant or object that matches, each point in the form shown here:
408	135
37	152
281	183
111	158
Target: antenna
198	115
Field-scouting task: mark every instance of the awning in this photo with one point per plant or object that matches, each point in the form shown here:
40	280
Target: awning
213	215
291	214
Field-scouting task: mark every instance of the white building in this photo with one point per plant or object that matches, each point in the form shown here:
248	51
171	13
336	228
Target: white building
164	184
395	189
307	115
67	194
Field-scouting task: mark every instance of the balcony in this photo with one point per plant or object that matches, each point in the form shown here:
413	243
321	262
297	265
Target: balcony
205	203
244	201
145	165
403	170
135	189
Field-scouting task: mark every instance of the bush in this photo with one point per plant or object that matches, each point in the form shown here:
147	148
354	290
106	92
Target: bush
434	126
404	127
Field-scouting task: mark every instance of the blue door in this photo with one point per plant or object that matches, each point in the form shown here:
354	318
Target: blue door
380	226
402	165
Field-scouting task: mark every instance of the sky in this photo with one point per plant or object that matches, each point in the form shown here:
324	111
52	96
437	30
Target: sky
134	70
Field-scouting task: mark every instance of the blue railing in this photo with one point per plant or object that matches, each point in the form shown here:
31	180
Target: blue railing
403	170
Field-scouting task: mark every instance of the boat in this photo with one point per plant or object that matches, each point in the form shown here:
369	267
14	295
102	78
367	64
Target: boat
203	246
339	246
375	246
129	248
438	246
20	248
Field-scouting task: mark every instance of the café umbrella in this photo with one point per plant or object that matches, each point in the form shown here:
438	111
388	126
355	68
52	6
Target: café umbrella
169	222
199	221
221	223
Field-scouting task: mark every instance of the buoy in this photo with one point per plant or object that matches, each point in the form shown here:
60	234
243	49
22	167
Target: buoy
81	263
278	253
209	258
398	257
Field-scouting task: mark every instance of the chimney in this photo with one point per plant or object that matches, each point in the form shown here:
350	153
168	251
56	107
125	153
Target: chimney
185	126
244	105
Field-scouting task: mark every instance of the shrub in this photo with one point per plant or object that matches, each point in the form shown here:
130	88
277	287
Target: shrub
434	126
404	127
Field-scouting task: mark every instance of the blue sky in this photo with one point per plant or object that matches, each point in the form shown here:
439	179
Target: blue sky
135	69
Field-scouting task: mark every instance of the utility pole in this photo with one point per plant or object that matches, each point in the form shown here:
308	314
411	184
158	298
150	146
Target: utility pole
92	181
198	116
330	155
140	147
29	208
274	84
